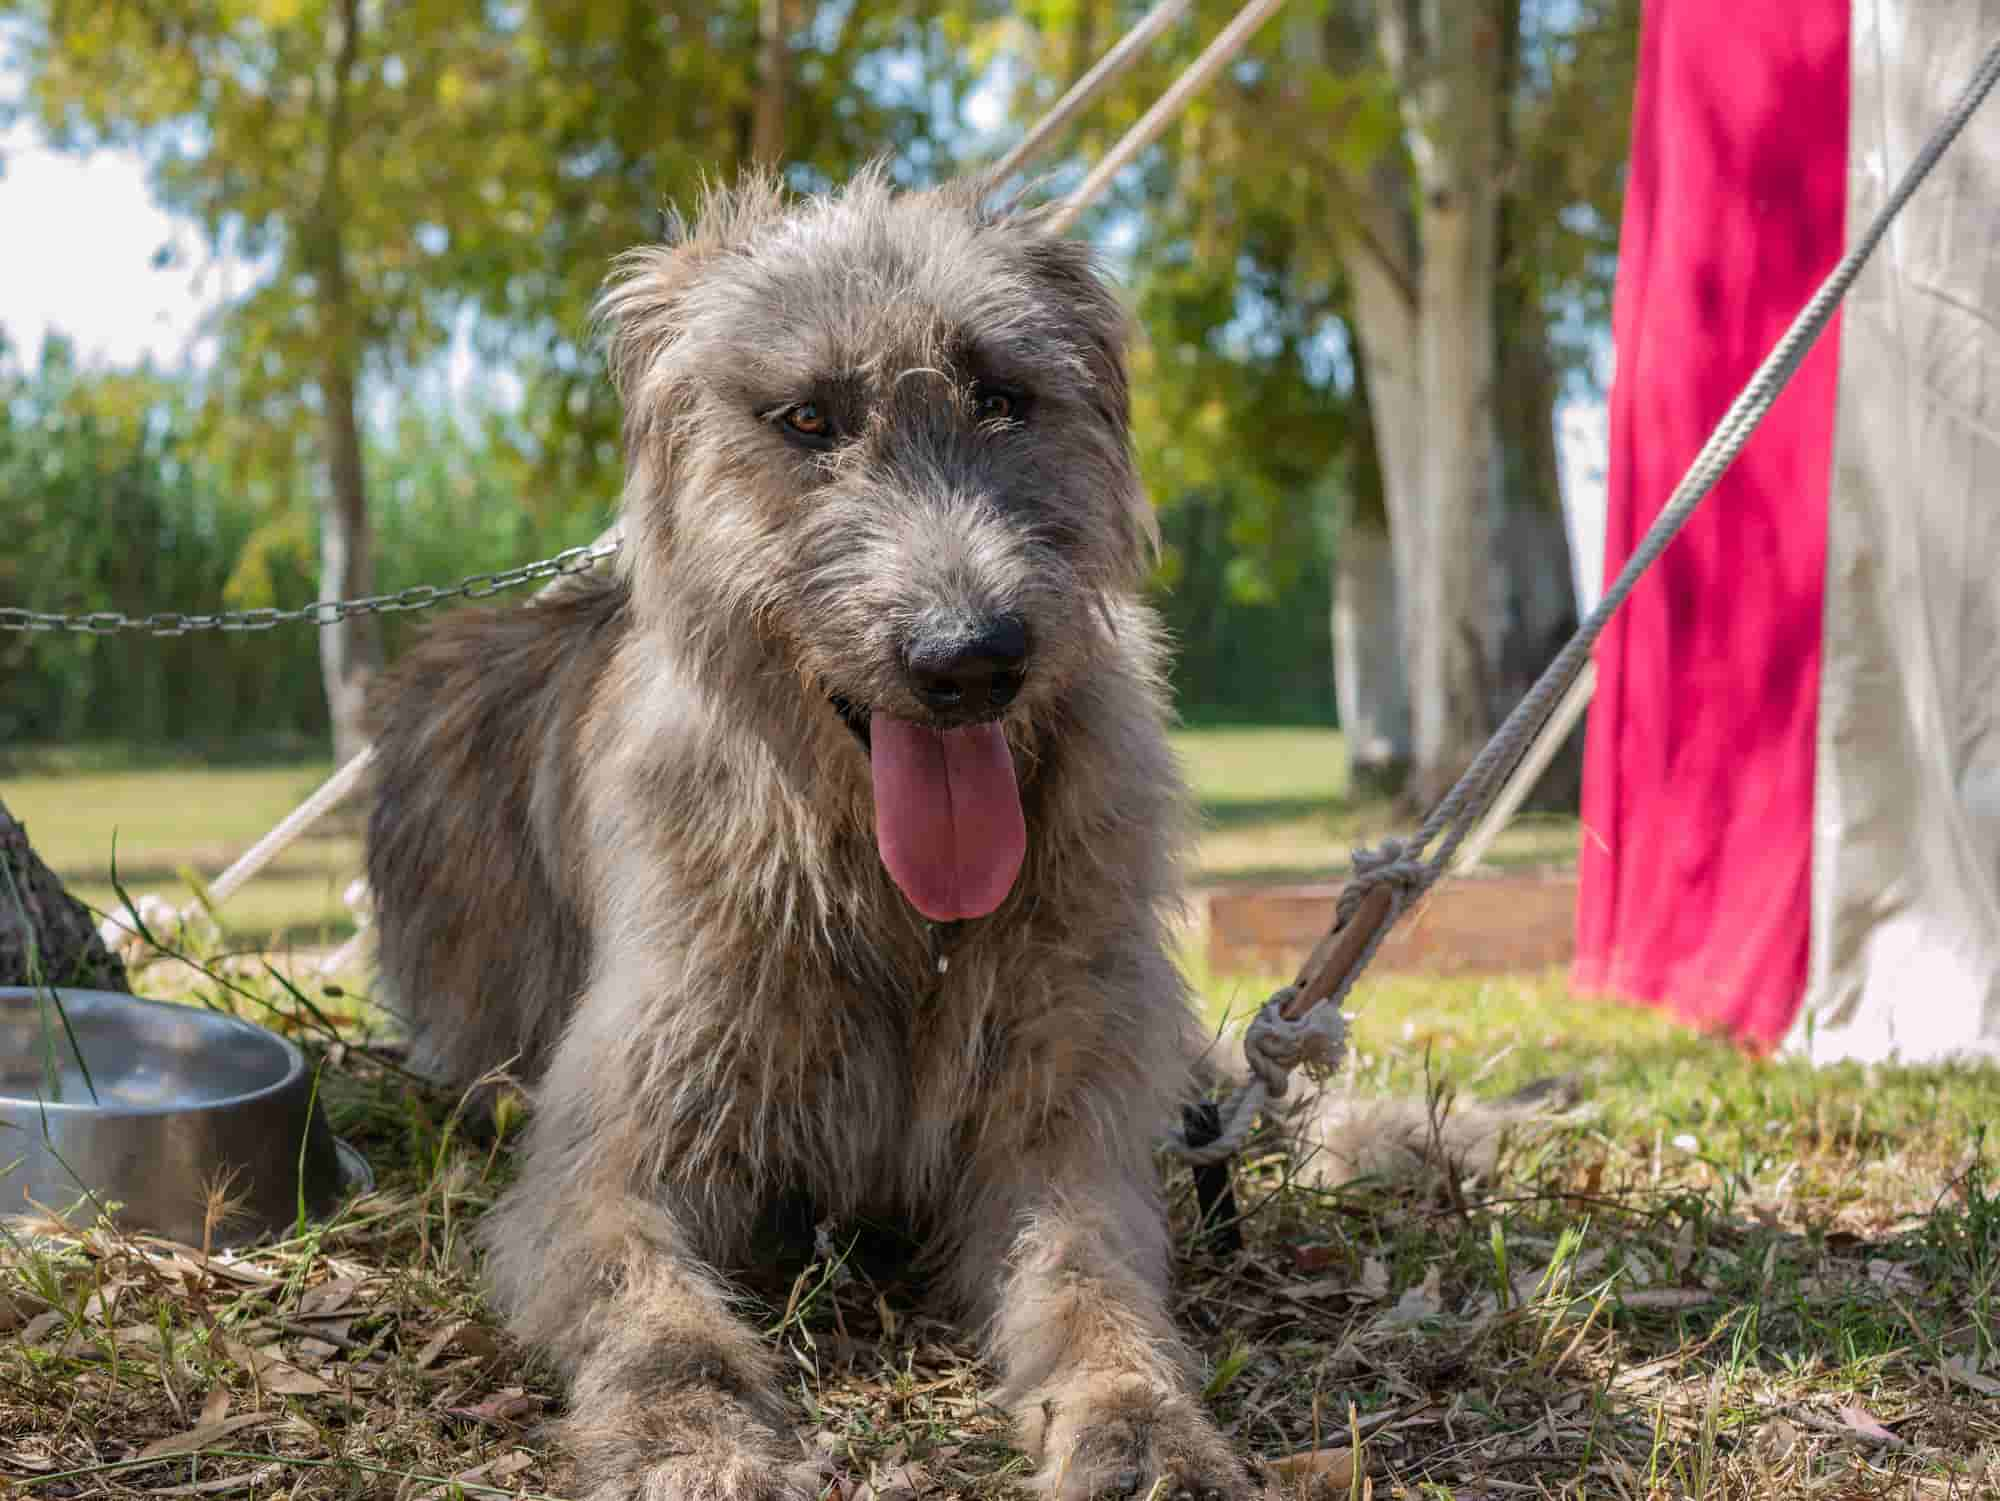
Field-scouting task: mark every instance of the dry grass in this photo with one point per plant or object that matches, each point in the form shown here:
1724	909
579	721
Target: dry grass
1722	1279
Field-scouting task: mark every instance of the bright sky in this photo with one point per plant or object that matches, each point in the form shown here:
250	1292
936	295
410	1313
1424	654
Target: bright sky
78	237
77	241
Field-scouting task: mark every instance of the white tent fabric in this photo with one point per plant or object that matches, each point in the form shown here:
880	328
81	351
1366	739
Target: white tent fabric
1905	946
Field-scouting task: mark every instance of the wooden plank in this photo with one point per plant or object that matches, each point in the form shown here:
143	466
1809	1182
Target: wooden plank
1487	924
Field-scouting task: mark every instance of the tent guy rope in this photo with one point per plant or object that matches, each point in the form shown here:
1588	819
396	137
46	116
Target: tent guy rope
1392	877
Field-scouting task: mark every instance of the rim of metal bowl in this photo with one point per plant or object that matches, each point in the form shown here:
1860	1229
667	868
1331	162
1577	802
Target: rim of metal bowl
295	1058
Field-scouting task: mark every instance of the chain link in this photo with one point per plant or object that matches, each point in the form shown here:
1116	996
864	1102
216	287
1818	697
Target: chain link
322	612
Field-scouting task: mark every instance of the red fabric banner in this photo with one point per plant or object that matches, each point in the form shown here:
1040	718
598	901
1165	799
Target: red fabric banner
1694	873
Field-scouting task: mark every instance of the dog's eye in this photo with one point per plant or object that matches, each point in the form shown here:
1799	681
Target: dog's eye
992	404
809	420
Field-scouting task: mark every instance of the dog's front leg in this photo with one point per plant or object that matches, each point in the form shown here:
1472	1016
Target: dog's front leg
672	1397
1092	1368
604	1262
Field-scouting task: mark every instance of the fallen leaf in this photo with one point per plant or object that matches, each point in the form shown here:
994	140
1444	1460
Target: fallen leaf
1374	1278
88	1344
1418	1303
1314	1258
200	1436
1865	1423
221	1484
1683	1254
501	1408
901	1482
1324	1287
16	1310
1775	1440
237	1271
329	1299
1893	1275
508	1466
274	1374
1963	1371
39	1326
466	1336
1330	1469
214	1407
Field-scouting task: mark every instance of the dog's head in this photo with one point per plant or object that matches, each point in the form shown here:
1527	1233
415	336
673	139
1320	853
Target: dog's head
879	443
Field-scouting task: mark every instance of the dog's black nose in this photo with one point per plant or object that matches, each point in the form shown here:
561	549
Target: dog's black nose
969	676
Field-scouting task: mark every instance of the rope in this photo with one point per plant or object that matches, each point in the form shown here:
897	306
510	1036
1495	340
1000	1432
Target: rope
1276	1042
1228	42
1088	87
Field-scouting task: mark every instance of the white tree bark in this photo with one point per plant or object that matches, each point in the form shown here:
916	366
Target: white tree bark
350	649
1449	65
1419	243
1371	665
1370	687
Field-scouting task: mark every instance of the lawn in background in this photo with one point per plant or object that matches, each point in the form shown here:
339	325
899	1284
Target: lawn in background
1273	802
166	822
1275	807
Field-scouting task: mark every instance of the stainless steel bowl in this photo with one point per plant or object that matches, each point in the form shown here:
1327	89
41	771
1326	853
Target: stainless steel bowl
185	1098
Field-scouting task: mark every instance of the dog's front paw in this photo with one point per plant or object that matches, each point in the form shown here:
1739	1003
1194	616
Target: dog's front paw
1136	1445
657	1458
711	1475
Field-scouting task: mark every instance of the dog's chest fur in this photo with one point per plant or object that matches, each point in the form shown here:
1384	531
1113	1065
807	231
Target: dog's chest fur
863	1053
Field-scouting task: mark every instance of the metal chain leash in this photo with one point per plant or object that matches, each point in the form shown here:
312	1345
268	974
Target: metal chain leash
322	612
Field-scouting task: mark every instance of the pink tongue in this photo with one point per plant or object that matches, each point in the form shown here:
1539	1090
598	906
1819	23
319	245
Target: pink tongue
947	815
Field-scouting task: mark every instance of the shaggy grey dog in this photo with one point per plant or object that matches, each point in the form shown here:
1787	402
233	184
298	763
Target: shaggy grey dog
828	850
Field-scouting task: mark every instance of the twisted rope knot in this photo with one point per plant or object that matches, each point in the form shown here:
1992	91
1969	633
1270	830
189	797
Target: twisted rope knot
1274	1044
1389	864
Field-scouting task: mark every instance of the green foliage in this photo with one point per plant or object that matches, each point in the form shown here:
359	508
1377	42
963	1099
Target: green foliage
466	170
110	504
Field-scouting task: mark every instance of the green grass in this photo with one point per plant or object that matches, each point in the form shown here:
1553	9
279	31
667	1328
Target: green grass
179	819
160	815
1275	807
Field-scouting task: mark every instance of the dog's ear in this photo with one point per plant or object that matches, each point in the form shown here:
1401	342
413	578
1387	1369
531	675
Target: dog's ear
1103	331
639	315
1098	320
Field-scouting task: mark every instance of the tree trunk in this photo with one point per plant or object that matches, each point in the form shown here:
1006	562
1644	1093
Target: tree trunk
767	132
1370	686
1370	675
350	650
46	935
1449	62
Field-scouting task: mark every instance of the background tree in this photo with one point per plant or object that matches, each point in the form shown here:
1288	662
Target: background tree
1443	187
414	179
335	146
399	173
